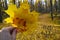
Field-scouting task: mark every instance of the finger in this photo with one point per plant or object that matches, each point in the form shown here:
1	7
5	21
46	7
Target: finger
8	28
14	34
11	31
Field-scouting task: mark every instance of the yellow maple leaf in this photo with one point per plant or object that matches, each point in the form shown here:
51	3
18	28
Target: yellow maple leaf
22	18
10	12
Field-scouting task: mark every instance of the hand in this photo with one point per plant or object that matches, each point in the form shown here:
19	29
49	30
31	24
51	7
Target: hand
8	33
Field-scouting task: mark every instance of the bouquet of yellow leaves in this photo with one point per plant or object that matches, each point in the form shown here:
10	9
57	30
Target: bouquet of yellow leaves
22	18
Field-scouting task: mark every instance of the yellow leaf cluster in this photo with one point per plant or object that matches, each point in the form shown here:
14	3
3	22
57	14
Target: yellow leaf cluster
31	18
10	12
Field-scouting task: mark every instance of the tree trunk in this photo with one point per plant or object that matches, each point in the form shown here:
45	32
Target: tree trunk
0	12
51	9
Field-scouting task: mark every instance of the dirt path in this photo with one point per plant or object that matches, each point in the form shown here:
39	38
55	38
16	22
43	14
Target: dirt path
46	20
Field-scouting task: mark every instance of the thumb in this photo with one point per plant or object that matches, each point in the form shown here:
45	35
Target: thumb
14	34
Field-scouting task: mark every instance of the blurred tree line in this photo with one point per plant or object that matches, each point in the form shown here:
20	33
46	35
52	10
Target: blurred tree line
46	6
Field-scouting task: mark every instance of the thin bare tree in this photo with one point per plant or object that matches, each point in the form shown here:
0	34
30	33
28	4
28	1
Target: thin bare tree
51	11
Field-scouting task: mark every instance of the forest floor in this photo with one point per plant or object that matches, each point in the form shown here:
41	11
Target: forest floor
46	19
47	30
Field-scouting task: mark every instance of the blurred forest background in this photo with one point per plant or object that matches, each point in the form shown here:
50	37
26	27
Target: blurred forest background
51	7
49	18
